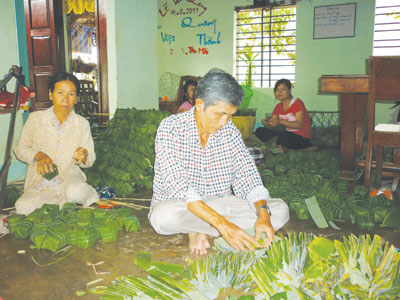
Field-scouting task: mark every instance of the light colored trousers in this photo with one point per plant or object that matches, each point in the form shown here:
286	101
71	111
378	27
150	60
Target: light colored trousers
171	217
73	189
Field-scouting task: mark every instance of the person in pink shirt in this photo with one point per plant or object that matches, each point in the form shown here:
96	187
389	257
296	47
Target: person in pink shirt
291	113
188	98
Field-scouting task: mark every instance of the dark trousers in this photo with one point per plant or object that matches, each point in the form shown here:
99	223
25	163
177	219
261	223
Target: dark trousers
286	139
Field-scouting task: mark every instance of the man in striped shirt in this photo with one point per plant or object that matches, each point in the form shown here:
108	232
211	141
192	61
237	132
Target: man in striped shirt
200	160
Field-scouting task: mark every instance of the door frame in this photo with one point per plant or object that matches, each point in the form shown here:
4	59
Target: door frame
53	16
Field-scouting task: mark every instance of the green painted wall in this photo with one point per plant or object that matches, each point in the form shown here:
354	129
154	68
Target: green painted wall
136	55
8	57
194	37
324	57
330	56
313	57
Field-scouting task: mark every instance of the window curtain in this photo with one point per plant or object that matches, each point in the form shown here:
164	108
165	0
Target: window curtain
78	6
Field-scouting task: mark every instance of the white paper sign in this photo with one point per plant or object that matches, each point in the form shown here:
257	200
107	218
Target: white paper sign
334	21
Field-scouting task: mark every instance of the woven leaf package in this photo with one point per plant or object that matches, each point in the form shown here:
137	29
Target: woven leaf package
51	228
131	223
109	232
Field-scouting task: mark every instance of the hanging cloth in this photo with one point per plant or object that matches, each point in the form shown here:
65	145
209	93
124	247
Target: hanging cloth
78	6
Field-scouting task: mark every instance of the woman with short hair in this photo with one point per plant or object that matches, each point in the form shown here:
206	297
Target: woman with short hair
56	140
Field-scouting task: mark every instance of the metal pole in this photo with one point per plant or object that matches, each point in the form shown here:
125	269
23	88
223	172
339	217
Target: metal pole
17	73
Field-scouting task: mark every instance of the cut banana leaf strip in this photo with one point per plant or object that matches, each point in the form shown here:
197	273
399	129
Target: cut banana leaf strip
315	212
169	268
143	260
333	225
80	293
56	259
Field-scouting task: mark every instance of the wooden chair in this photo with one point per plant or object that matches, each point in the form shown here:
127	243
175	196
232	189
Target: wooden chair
384	85
88	105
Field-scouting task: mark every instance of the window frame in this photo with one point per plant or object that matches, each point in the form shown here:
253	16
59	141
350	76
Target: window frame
381	27
265	61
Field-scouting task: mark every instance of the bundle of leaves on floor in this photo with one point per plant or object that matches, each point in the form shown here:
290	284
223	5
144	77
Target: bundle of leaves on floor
12	194
51	228
125	151
299	266
298	175
326	136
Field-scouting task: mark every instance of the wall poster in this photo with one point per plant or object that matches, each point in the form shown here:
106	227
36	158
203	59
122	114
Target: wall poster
334	21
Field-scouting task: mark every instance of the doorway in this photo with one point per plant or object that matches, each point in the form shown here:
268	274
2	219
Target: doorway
85	52
48	47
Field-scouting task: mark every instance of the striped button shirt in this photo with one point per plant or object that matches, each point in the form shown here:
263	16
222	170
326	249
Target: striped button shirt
186	171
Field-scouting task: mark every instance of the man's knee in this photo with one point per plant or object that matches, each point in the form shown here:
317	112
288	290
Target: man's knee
23	206
79	192
280	213
163	216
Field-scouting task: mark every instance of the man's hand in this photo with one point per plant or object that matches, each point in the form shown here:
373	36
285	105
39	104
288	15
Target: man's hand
80	155
233	235
44	163
236	237
263	225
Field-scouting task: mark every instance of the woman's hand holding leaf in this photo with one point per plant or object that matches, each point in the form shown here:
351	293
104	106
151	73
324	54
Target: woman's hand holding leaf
44	163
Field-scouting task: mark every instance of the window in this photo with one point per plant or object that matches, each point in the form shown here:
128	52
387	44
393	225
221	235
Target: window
265	45
387	28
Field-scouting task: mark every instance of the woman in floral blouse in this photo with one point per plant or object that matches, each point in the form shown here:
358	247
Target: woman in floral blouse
56	138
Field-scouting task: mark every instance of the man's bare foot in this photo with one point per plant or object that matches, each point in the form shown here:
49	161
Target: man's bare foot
198	243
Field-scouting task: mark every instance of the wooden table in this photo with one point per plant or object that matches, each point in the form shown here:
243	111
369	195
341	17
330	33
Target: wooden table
353	90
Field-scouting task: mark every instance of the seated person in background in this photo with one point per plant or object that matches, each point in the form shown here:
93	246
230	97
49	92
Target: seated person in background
56	136
290	113
188	98
200	160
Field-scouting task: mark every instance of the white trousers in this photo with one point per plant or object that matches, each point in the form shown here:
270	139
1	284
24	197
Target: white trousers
171	217
73	189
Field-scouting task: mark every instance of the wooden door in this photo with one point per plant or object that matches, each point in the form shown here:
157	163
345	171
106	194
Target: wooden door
44	42
46	49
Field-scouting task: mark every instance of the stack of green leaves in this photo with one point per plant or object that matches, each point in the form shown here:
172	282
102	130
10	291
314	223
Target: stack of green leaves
12	194
51	228
298	175
125	151
299	266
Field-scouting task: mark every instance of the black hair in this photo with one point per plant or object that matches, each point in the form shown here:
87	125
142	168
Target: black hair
185	89
218	85
61	76
283	81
